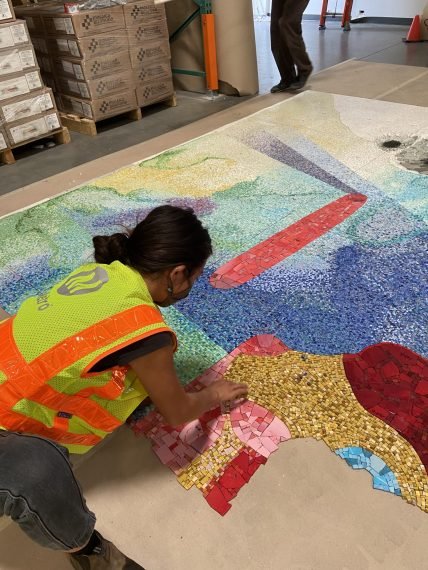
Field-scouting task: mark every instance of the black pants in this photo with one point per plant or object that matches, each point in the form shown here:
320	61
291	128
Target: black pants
38	491
287	43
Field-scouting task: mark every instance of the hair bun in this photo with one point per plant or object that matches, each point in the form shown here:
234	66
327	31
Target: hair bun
111	248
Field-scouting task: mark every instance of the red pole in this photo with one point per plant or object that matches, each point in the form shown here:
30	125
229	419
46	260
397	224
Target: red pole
347	13
324	10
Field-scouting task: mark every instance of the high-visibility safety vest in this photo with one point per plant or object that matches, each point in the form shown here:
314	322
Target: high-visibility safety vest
47	351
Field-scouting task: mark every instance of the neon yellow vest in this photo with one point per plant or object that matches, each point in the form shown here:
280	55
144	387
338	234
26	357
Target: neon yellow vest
55	339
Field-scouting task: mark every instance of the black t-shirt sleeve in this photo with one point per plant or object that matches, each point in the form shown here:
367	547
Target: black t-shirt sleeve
139	348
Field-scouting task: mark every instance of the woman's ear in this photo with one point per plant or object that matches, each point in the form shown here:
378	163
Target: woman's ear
179	275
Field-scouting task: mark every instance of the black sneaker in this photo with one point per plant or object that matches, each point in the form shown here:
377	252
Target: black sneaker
300	82
107	558
281	87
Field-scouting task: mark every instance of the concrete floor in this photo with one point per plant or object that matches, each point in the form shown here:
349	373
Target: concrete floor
366	41
305	510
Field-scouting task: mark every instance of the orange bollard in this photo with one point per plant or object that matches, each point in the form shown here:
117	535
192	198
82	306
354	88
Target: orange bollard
210	51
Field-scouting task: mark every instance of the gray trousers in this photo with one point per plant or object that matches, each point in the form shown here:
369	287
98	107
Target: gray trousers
287	43
39	491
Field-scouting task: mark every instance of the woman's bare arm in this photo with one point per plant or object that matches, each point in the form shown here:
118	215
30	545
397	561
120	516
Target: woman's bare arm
157	373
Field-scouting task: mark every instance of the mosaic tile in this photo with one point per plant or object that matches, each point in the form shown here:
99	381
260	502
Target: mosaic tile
359	458
352	279
391	382
270	145
292	395
283	244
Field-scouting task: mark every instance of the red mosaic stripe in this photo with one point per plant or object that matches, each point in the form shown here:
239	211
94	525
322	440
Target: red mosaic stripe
281	245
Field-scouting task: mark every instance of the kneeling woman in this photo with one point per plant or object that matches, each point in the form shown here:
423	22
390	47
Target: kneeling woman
76	361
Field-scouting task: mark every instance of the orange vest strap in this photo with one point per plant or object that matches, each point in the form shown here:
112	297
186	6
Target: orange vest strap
13	421
20	375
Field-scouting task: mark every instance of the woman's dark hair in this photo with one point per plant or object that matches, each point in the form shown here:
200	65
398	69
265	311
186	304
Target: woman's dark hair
167	237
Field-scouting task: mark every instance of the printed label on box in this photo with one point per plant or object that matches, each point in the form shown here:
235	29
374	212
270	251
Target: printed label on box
28	108
62	45
67	67
73	48
77	107
20	85
33	80
45	102
13	35
151	52
69	27
73	86
27	59
52	121
155	31
5	11
78	71
84	91
27	131
19	34
157	91
11	63
59	24
13	87
6	38
87	110
155	71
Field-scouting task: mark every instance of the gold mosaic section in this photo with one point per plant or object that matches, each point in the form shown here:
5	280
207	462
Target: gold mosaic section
212	463
313	397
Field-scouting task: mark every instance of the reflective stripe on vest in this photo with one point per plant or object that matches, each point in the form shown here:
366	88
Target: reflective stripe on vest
28	380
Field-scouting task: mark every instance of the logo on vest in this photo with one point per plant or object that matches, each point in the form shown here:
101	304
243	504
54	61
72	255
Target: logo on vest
42	302
84	282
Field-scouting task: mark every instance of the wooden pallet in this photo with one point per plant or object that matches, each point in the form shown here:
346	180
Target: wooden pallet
62	136
87	126
170	102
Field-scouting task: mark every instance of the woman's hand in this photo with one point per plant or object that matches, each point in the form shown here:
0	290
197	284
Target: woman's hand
157	374
224	391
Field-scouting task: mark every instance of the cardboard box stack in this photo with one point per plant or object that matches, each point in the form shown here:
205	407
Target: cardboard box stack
84	57
150	52
102	62
27	108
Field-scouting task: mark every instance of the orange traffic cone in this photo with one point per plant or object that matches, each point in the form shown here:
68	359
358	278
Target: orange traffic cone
414	34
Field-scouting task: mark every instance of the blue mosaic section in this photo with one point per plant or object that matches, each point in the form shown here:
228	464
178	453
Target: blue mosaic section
359	458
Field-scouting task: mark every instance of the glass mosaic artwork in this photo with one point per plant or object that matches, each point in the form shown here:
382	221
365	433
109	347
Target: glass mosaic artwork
316	294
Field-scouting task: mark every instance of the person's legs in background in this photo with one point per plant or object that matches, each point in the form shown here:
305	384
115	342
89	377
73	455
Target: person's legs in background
280	51
291	30
288	46
39	491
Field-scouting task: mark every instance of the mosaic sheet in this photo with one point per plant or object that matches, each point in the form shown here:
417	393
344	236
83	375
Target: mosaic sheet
315	296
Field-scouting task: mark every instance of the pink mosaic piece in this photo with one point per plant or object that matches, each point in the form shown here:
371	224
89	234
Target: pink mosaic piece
257	431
